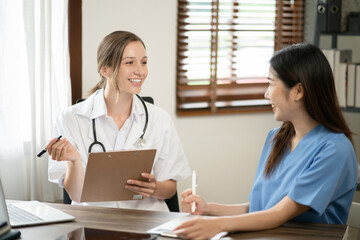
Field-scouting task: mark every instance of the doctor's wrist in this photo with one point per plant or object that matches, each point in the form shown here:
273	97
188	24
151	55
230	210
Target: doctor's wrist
156	193
74	157
74	161
164	189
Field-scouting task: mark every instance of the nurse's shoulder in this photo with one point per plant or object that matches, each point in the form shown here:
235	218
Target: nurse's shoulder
333	140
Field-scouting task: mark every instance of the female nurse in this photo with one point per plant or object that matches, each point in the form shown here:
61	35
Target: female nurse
119	117
307	170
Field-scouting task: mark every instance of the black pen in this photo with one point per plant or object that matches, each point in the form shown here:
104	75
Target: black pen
44	150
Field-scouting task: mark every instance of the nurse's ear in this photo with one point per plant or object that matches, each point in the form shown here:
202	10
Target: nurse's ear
298	92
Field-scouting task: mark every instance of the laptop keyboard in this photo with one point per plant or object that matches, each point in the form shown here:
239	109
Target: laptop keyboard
20	216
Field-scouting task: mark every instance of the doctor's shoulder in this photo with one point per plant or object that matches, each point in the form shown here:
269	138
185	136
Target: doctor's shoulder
158	116
72	113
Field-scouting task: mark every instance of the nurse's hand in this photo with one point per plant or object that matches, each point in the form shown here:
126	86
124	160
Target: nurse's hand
62	150
144	188
187	198
200	228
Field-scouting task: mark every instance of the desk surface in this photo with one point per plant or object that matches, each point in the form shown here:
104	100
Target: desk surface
141	221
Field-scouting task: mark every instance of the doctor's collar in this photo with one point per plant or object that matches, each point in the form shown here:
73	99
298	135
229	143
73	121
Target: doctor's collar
95	106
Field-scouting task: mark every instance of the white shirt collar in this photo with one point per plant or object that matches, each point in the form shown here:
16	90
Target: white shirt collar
99	106
95	106
137	107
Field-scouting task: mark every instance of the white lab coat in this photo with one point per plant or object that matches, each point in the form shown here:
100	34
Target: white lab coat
75	124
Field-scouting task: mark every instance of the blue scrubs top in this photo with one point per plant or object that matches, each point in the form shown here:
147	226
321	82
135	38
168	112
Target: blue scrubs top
321	172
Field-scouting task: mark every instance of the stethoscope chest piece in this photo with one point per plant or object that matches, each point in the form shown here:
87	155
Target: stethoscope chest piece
140	143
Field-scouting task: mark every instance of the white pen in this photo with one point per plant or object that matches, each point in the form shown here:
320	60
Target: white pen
193	188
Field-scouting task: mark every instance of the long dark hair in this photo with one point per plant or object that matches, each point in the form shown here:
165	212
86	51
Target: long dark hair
306	64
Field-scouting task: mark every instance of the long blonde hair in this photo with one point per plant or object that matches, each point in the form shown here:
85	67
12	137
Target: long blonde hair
109	54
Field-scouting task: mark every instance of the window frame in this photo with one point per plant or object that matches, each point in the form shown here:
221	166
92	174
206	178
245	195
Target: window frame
75	48
235	97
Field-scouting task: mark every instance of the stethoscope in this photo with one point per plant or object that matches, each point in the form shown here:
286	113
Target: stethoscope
139	143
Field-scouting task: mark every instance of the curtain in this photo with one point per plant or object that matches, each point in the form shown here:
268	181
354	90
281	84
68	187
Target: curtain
34	89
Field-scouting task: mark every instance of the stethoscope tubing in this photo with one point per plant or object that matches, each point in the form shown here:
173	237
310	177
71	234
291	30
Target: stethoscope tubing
146	116
95	139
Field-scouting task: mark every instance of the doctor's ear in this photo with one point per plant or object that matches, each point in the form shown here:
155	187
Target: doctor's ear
104	71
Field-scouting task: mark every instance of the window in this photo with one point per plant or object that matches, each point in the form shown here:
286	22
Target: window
34	88
224	48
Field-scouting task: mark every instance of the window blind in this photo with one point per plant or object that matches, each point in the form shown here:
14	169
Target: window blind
223	50
289	25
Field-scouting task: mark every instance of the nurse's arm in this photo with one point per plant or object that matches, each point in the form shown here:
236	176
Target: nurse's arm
282	212
215	209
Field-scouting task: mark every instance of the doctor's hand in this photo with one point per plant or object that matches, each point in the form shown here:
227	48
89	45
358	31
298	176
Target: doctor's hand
61	150
187	199
144	188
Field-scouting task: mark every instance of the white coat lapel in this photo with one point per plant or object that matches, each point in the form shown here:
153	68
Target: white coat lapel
91	134
137	125
100	137
98	111
135	133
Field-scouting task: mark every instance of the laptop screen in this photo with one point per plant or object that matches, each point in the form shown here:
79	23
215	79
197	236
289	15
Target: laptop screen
4	217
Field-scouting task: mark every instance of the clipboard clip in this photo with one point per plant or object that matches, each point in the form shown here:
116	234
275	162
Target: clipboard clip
137	197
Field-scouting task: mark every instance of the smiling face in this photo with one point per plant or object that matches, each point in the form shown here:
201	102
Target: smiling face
284	101
132	70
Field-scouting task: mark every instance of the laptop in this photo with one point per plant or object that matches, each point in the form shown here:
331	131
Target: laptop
26	213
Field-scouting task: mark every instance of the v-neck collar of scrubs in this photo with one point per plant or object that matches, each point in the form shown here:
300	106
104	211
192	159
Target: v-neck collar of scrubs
303	140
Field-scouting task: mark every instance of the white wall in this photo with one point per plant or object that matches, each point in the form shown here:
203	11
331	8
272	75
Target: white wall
223	149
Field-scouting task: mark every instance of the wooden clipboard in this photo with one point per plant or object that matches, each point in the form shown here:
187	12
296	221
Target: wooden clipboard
107	172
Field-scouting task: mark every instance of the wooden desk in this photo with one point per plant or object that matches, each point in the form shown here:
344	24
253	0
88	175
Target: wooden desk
140	221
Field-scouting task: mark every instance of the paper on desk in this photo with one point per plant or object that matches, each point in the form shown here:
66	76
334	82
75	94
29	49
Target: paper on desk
166	228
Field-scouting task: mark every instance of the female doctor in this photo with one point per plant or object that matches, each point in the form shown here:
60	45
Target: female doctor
115	118
307	170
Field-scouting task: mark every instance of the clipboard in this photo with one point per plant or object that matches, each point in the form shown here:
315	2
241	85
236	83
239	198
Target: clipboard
107	172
